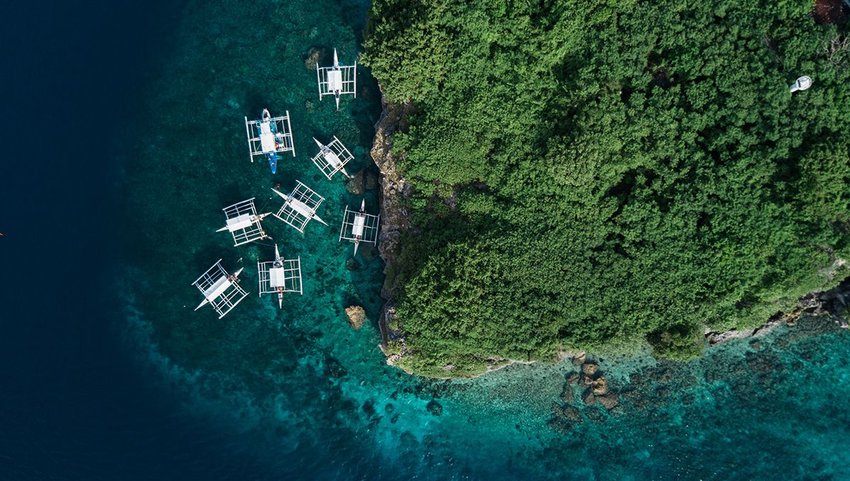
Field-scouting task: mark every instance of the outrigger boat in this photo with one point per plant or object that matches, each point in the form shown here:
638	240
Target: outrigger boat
358	226
220	289
280	276
332	158
268	137
278	264
266	128
299	206
337	80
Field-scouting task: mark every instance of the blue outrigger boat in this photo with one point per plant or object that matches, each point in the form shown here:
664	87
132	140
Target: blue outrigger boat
269	137
265	127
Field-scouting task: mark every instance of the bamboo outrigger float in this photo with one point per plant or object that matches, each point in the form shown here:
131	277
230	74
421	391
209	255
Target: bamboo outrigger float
221	290
299	206
243	222
358	226
337	80
280	276
269	137
332	158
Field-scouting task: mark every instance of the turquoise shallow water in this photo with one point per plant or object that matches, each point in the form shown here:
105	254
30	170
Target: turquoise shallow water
298	394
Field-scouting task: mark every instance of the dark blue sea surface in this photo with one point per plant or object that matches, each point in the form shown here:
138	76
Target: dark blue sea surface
124	137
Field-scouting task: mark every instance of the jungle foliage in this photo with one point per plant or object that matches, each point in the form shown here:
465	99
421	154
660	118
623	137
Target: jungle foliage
596	170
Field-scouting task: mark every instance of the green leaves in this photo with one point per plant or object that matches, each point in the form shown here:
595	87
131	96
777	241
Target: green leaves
589	170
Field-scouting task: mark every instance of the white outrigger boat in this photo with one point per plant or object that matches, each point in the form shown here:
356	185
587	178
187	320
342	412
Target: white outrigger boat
299	206
244	223
358	226
332	158
337	80
280	276
220	289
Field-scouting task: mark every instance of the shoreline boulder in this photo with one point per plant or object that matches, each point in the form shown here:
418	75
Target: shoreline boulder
356	316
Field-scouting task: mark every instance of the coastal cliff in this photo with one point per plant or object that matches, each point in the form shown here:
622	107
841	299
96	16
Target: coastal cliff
394	217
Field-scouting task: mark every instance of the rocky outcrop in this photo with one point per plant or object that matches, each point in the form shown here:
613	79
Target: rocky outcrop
391	193
595	385
356	316
828	303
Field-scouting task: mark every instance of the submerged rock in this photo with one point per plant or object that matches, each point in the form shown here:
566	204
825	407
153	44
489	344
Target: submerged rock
434	408
609	401
314	55
567	393
572	413
356	316
371	180
355	184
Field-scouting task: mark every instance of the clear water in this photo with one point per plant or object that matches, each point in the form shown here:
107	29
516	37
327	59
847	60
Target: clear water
298	394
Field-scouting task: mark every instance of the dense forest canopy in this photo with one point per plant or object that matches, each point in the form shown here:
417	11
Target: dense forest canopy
587	171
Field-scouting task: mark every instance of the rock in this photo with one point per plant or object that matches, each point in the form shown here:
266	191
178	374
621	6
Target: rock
333	368
369	407
354	185
579	358
600	386
352	265
371	180
589	368
588	397
573	378
567	393
610	400
572	413
313	56
434	408
356	316
449	367
595	414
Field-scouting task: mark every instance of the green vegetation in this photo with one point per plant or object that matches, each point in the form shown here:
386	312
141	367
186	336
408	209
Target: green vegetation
588	171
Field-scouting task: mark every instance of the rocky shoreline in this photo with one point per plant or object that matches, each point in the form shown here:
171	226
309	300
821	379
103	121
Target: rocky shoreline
832	302
394	222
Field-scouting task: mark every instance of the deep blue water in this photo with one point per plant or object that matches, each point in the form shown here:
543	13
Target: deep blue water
72	404
109	215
